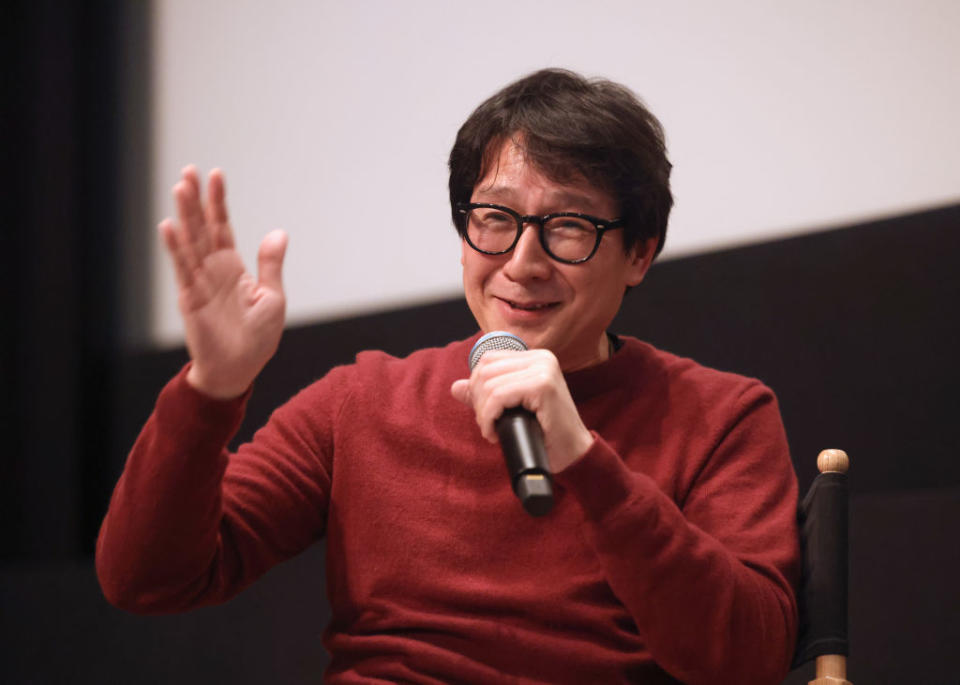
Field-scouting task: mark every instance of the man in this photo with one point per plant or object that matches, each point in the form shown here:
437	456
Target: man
671	549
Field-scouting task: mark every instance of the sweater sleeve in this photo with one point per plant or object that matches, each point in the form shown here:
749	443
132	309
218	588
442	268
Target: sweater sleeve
709	579
190	524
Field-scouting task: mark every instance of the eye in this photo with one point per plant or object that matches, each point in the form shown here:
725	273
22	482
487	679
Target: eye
570	227
490	219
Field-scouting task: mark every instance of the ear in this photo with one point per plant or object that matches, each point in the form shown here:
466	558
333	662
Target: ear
639	258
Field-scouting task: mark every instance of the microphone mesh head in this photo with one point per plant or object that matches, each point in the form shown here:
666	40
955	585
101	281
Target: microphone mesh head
497	340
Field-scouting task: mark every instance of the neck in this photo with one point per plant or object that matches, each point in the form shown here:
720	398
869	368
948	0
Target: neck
602	352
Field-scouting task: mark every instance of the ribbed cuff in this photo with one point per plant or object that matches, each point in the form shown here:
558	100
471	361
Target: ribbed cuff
599	480
187	411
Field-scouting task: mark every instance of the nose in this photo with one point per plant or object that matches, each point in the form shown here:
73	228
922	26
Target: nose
527	260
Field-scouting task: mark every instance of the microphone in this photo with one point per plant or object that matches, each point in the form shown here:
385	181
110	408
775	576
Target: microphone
521	437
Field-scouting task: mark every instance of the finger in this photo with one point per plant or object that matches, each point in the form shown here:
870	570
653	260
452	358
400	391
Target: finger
270	260
216	211
186	194
191	177
491	397
491	367
513	390
190	174
532	387
181	267
506	359
533	372
461	390
185	240
485	419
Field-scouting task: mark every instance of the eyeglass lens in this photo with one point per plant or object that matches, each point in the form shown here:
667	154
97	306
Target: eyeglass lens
565	237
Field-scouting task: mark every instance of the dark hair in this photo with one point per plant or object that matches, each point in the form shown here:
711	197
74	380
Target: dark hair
571	126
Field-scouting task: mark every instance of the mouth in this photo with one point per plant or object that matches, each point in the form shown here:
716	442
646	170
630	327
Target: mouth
529	306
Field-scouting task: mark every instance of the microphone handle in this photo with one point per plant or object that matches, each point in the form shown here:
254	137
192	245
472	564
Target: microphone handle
521	439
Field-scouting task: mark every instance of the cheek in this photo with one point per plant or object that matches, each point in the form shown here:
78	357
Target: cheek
603	292
475	277
478	269
469	266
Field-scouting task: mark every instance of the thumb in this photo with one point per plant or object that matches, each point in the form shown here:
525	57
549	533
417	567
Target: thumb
461	390
270	260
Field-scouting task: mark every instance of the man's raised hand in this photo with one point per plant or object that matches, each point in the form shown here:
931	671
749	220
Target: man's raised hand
233	321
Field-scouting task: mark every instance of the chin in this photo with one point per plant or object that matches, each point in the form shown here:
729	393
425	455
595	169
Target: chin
542	341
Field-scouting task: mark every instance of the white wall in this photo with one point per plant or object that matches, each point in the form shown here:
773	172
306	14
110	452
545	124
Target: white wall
333	120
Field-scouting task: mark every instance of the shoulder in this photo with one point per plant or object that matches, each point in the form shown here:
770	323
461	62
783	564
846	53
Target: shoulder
430	362
382	373
451	354
705	421
685	395
374	384
685	377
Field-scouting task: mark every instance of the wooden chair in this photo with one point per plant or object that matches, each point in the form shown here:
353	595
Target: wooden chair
823	588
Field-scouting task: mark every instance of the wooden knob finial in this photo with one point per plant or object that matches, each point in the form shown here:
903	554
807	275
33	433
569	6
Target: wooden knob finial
833	460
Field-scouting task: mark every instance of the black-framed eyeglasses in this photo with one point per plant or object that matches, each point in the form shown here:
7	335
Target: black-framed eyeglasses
568	237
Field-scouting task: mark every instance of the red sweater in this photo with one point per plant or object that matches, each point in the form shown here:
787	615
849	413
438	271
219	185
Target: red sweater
672	544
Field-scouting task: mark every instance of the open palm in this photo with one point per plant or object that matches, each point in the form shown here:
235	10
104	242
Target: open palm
233	321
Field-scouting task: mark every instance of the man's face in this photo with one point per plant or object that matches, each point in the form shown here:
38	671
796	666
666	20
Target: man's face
564	308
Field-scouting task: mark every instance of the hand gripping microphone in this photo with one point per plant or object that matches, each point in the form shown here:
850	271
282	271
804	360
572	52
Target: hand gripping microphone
521	437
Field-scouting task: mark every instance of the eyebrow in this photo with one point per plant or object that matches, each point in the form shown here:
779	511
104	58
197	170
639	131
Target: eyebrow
560	197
